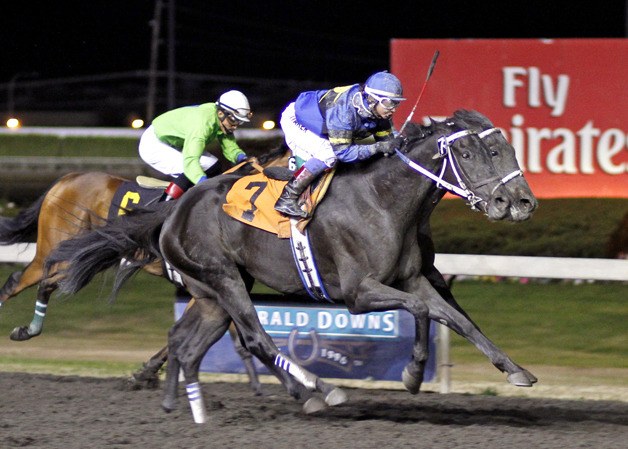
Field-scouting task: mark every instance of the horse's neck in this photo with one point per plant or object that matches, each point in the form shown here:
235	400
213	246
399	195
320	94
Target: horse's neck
390	185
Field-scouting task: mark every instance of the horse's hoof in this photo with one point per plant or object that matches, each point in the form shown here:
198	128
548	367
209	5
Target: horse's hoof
531	377
520	379
313	405
132	384
142	383
21	334
412	384
168	406
257	390
335	397
256	387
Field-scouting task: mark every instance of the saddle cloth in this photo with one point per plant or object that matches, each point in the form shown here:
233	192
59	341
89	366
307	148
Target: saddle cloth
131	194
252	200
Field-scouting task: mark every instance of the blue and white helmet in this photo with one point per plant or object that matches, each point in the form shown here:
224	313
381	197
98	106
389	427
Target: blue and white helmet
380	88
384	85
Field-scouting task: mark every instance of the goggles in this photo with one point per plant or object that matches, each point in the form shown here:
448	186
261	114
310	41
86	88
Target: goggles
386	102
236	121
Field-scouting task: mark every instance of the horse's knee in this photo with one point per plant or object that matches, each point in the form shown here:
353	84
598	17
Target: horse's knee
8	289
260	349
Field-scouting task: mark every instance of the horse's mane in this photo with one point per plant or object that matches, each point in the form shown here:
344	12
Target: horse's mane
470	119
462	118
415	131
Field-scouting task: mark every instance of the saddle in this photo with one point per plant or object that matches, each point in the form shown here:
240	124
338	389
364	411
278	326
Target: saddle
252	200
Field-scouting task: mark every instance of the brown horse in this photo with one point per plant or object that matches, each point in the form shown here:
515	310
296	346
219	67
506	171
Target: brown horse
76	203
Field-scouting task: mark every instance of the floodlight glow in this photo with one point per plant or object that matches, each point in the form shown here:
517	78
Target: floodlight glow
137	123
13	123
268	124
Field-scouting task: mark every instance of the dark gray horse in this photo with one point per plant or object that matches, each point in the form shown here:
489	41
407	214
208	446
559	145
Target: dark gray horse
371	241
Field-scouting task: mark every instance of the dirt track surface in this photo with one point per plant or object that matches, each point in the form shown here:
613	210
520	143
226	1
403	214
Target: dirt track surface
49	411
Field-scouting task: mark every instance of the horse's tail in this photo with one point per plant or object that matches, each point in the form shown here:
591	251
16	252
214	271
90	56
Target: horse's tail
23	227
133	237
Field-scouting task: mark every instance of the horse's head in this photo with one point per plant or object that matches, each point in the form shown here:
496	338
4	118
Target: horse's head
485	173
511	196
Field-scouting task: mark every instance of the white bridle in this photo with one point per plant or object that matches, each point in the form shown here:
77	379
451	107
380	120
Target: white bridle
444	151
508	177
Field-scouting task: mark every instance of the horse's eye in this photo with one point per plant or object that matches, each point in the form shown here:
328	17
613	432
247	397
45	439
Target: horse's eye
466	155
494	153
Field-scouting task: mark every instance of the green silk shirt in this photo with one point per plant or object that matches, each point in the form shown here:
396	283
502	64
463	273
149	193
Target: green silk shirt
189	129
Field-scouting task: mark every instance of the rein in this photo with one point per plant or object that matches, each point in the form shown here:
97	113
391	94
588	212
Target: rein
444	151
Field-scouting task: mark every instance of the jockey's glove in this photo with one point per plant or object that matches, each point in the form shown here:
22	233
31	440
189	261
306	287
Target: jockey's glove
241	158
388	147
396	143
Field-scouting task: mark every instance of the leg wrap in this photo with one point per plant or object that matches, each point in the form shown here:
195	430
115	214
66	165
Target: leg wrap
195	396
307	379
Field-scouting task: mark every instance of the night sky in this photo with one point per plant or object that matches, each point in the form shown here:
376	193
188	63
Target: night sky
335	41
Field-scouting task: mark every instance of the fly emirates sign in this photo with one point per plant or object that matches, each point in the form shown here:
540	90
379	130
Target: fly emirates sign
563	104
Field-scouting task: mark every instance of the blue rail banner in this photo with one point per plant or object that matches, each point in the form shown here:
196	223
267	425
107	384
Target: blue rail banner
328	341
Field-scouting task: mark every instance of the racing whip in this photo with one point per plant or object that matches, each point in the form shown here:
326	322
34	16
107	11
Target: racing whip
429	74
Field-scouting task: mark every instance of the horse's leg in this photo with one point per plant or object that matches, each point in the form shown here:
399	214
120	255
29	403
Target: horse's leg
247	360
312	404
22	333
443	288
8	289
374	296
236	301
445	313
19	281
171	384
148	375
285	369
243	353
189	339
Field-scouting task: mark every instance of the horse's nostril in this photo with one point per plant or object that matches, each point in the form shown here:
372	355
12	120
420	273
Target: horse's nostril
528	204
500	201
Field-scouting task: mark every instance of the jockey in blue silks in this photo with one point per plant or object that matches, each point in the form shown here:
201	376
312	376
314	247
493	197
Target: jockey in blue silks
321	127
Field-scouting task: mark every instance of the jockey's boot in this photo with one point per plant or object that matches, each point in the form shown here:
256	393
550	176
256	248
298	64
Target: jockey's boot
287	203
172	192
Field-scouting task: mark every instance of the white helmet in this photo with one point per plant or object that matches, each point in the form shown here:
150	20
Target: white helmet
235	102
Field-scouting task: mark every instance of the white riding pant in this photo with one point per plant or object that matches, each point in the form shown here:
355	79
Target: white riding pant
304	143
165	159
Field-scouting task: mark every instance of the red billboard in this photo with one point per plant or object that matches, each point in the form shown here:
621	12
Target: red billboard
562	103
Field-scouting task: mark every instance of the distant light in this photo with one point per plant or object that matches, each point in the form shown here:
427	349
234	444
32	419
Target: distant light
137	123
13	123
268	124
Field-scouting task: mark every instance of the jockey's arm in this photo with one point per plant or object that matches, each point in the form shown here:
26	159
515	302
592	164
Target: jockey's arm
346	150
192	150
230	149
